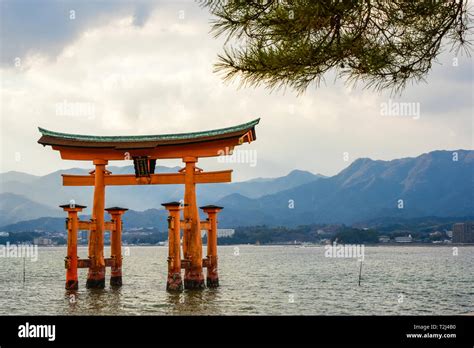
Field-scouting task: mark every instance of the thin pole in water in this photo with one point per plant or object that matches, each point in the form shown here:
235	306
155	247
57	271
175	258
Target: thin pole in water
360	271
24	269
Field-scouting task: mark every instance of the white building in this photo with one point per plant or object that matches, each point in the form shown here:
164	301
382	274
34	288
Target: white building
221	232
225	232
404	239
42	241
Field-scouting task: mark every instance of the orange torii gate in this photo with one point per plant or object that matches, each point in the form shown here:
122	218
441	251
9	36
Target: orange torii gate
144	151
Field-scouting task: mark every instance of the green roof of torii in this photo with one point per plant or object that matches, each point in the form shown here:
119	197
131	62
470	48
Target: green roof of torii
142	138
179	136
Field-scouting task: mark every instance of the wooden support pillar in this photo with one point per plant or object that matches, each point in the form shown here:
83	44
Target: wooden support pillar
192	242
96	274
72	224
116	245
174	281
212	279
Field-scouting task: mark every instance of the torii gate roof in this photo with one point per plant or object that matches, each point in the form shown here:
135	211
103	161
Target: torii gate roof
56	138
200	144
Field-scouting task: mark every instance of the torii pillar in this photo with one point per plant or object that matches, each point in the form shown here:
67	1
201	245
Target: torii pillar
212	279
72	223
96	274
116	245
174	281
192	242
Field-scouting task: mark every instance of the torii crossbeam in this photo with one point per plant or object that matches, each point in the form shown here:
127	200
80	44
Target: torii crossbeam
145	151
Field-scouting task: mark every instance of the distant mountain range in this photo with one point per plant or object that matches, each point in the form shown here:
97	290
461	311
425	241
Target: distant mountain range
154	218
24	196
15	207
429	185
432	184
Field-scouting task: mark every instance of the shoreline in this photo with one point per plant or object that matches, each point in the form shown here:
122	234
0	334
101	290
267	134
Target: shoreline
289	245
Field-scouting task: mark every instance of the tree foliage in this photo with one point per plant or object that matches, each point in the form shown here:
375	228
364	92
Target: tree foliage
356	236
385	44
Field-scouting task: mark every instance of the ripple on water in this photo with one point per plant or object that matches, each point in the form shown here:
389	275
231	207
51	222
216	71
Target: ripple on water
262	280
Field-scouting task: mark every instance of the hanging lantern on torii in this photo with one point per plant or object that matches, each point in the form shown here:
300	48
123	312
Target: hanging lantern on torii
145	151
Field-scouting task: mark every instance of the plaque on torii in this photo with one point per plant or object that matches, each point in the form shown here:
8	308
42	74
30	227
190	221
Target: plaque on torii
144	151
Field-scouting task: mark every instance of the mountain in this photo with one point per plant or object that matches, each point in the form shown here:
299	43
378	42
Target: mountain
49	191
434	184
132	219
14	176
256	187
43	224
15	208
431	184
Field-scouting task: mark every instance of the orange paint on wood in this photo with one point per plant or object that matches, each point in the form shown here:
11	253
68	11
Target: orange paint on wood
193	277
72	259
207	149
155	179
96	274
205	225
109	226
212	279
86	263
116	245
174	281
84	225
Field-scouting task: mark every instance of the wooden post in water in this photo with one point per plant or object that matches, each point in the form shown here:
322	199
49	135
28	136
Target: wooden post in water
72	224
174	281
96	274
116	245
212	279
193	276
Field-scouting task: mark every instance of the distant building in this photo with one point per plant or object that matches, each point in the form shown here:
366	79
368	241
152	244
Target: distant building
4	234
404	239
225	232
449	234
384	239
463	232
322	233
42	241
436	234
221	232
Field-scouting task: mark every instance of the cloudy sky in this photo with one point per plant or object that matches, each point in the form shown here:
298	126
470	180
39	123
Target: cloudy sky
147	68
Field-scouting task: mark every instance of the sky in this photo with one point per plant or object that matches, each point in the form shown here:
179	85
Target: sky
146	67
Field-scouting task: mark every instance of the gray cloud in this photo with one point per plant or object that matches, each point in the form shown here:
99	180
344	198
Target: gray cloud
153	74
46	26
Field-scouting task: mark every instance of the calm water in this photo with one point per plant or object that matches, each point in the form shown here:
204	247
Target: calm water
279	280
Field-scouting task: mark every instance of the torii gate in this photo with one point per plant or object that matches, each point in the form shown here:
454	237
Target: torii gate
144	151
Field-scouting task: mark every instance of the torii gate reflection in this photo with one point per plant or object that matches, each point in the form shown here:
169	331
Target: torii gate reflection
145	150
